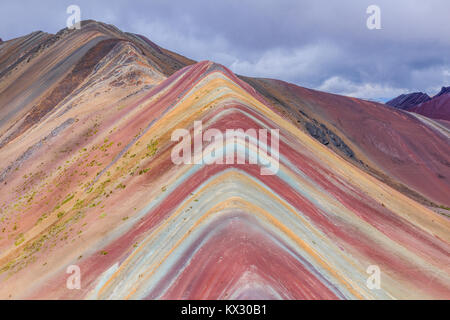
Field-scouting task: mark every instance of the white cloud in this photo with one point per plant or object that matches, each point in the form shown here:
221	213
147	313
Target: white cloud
291	65
446	75
186	42
369	91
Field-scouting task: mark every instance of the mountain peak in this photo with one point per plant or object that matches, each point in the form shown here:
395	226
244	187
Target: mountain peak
406	101
444	90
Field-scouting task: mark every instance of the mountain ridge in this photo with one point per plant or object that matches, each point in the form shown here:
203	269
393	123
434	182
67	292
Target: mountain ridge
436	107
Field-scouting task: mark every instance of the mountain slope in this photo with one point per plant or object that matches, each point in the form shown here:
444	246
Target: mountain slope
390	144
437	108
92	183
68	57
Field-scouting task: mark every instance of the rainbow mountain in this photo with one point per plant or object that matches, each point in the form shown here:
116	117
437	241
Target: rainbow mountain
87	180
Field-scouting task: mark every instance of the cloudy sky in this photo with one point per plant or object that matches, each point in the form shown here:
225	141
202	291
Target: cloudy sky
318	44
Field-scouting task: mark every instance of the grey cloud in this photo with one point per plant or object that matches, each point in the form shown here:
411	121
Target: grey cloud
315	43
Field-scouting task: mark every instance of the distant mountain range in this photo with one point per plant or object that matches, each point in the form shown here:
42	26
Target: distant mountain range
437	107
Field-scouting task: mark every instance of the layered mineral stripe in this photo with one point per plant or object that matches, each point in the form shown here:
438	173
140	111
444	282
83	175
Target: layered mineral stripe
141	227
